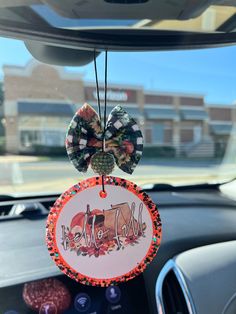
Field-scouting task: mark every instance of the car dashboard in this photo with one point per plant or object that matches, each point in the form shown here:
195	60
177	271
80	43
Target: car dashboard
191	219
133	298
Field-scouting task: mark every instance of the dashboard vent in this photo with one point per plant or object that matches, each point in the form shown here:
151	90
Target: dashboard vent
126	1
173	297
172	293
25	208
5	210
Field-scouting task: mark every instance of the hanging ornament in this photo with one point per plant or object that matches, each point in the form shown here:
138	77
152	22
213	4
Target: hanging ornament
123	141
103	230
103	241
102	163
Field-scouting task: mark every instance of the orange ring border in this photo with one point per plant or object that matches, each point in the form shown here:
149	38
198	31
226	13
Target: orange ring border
74	190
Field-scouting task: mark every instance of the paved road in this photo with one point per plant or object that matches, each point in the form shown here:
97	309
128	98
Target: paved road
57	175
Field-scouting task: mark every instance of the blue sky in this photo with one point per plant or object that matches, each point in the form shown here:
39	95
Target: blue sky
211	72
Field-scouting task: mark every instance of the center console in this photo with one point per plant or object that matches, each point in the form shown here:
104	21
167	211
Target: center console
129	297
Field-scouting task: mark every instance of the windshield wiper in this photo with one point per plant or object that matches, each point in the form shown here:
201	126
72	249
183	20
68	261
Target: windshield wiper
6	197
10	197
163	187
150	187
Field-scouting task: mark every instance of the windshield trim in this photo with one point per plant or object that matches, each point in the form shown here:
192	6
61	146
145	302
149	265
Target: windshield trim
125	39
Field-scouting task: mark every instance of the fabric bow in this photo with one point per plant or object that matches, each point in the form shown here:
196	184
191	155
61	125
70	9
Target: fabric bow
123	138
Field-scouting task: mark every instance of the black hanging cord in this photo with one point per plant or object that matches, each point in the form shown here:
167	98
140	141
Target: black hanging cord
97	86
105	98
99	104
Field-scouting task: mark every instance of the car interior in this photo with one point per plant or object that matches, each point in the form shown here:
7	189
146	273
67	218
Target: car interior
171	65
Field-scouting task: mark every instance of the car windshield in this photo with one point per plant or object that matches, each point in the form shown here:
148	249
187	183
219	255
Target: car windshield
183	101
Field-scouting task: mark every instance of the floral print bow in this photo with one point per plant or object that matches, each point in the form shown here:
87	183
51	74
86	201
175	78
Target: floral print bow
123	138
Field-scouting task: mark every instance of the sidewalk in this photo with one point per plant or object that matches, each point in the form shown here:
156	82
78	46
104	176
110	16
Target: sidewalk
170	162
19	158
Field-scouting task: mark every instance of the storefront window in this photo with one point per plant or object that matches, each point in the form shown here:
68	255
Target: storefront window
158	133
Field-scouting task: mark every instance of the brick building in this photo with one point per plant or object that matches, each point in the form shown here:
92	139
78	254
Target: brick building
40	100
39	103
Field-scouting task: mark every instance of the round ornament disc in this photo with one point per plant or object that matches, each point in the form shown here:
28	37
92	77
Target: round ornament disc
102	239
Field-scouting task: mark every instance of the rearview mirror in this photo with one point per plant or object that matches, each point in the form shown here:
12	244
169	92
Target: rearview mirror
59	55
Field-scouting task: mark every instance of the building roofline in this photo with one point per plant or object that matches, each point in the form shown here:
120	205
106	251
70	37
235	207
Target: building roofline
171	93
115	85
45	100
26	71
230	106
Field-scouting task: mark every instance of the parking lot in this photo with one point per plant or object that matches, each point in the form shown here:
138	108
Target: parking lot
32	174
